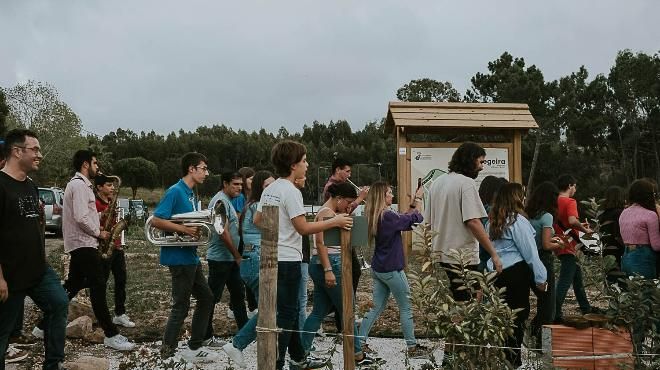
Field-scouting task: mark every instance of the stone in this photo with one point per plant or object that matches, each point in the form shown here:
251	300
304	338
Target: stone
95	336
79	327
88	363
77	309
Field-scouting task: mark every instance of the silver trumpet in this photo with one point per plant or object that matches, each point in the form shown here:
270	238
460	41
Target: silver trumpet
209	221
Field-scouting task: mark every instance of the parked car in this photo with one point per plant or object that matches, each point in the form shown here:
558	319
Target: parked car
52	199
139	210
124	208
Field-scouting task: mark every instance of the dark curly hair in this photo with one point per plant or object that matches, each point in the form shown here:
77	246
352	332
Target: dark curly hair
643	192
543	199
463	159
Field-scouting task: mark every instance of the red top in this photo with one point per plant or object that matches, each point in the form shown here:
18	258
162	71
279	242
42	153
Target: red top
101	206
566	207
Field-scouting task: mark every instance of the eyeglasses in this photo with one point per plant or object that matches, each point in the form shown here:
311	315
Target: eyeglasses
34	149
203	169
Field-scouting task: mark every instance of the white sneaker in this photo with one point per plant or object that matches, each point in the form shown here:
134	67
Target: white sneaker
119	342
230	314
37	333
124	321
199	355
251	314
234	354
213	342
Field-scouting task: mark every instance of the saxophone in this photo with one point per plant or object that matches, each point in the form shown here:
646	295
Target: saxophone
107	247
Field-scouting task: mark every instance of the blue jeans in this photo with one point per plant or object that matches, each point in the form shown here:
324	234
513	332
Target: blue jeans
52	299
221	274
324	300
302	294
640	261
570	273
250	276
288	287
394	282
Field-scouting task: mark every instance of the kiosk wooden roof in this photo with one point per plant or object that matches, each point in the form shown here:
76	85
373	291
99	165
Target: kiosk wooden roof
430	117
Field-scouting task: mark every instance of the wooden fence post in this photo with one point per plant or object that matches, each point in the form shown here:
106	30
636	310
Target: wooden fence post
267	341
347	300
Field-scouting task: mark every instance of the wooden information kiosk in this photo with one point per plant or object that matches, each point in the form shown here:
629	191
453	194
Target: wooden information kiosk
428	133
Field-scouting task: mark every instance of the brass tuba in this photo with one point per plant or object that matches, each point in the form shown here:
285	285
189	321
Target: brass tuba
113	223
209	221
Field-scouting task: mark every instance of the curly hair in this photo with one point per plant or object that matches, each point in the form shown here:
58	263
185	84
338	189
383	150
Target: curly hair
543	199
463	159
508	204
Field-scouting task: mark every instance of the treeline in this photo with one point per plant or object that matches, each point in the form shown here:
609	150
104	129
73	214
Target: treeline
603	129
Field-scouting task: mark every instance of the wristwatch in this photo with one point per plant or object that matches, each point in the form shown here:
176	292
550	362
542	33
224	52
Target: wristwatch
327	269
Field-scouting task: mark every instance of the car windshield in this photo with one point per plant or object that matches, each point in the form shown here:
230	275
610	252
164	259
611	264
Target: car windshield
47	196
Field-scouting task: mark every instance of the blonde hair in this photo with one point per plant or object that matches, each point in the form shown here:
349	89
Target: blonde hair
375	205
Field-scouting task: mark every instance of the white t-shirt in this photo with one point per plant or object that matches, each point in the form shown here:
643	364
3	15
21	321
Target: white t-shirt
453	199
288	198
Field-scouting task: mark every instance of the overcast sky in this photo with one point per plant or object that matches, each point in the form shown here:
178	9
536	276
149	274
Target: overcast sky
170	65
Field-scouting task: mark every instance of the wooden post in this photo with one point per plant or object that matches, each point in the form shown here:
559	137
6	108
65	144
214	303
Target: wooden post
267	341
347	300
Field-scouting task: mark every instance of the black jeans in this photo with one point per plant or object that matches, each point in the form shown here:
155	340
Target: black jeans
288	285
227	273
455	281
516	281
545	307
188	280
117	265
86	270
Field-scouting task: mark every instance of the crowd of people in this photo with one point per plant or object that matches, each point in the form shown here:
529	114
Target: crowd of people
487	227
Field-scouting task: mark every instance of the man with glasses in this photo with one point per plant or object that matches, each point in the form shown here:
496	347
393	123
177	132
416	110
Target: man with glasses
23	267
184	265
223	256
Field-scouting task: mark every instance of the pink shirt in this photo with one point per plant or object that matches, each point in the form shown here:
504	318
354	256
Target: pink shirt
80	219
640	226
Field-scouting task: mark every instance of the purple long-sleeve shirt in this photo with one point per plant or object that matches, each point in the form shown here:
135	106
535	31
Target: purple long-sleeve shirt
388	254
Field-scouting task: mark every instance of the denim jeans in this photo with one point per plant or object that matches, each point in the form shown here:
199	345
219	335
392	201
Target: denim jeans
545	307
52	300
117	265
227	273
288	287
302	294
640	261
394	282
324	299
570	273
250	276
188	280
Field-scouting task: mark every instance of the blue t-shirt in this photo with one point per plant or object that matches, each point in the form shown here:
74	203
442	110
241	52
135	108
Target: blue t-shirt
238	202
179	198
217	249
251	233
517	244
540	223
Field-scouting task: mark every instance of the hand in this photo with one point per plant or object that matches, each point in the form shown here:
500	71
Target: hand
363	192
239	259
558	243
4	290
300	183
419	193
104	235
497	264
191	230
343	220
330	279
587	228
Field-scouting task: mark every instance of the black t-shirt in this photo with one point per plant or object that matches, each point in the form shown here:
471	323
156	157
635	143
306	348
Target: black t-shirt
22	252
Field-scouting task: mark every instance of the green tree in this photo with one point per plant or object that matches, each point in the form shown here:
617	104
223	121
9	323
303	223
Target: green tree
4	112
136	172
428	90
